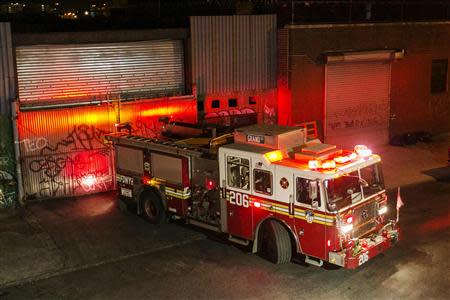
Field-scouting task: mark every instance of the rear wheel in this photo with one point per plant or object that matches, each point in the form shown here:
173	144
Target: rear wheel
274	243
152	208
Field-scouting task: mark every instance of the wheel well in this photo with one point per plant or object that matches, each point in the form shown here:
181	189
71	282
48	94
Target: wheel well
294	241
149	190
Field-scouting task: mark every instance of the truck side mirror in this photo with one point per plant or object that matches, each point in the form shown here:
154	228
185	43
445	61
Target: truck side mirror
313	190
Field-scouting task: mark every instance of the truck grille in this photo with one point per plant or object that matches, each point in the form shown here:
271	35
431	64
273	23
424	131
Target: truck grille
364	219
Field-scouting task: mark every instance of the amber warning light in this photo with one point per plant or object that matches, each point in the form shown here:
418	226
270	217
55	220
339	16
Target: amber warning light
274	156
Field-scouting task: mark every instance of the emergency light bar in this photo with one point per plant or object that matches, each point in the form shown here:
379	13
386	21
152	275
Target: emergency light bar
363	151
317	164
359	151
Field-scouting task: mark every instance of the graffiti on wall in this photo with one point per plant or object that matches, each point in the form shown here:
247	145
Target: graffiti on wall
8	184
359	117
77	164
64	153
148	128
270	115
232	117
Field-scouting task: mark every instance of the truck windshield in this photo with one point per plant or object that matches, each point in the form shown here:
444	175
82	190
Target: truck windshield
351	188
343	190
374	178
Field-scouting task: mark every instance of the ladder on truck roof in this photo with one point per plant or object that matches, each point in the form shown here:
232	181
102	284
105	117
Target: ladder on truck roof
190	146
155	144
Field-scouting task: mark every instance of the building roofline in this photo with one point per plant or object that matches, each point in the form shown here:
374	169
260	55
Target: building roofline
357	25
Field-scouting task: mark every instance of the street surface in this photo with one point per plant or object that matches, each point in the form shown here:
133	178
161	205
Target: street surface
199	266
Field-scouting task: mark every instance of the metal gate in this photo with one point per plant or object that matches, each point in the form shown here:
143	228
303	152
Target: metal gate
357	102
91	71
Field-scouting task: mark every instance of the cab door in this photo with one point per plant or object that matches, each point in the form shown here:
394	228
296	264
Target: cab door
284	193
237	193
310	222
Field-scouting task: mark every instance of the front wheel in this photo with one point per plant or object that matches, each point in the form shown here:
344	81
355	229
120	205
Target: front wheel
275	243
152	208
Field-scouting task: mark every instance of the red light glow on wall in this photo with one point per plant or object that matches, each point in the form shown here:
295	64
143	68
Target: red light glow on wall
64	152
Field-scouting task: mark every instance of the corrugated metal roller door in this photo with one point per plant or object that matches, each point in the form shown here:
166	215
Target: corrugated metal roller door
87	71
234	53
357	102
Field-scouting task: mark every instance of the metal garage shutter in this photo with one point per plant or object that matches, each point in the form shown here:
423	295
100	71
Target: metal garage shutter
92	71
357	102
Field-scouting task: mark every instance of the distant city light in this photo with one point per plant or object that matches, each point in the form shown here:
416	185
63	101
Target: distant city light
86	13
69	15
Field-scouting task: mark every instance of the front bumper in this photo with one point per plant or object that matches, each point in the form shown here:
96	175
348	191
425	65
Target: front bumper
364	249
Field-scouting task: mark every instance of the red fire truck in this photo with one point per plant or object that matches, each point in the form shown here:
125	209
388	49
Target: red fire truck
264	185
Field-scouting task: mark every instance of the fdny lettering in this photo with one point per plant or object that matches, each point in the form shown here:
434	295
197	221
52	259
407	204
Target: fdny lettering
124	179
239	199
257	139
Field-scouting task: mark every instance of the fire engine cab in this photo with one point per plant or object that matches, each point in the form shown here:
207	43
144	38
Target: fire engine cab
267	185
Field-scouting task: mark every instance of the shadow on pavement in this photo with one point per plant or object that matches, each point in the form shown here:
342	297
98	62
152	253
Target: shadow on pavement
440	174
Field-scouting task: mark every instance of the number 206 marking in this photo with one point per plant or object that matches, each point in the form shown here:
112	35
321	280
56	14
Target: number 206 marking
239	199
364	257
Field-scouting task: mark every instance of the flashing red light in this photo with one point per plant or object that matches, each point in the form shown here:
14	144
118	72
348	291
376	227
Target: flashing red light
210	184
364	243
256	204
329	243
88	180
349	220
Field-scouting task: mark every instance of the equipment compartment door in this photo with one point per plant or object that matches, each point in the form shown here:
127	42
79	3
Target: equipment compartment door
239	210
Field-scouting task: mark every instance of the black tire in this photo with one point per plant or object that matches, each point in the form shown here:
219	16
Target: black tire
274	243
152	208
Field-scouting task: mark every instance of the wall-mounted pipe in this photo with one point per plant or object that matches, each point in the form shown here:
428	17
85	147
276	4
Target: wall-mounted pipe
20	191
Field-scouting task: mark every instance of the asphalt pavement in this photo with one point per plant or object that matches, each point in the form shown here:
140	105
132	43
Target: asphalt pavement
53	243
416	268
63	235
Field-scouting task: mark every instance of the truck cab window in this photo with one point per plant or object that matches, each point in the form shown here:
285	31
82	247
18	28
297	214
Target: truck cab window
238	172
374	178
262	181
303	194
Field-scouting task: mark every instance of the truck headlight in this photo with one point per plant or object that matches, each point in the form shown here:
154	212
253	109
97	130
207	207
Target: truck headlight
346	228
382	210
